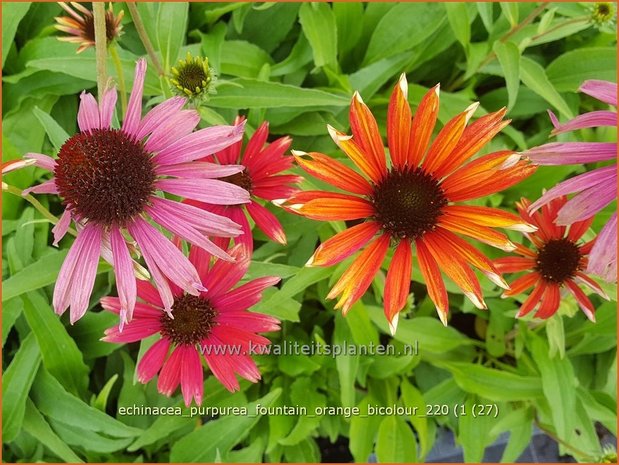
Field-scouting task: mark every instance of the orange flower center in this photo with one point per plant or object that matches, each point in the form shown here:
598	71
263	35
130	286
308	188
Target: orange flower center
105	176
193	319
408	203
558	260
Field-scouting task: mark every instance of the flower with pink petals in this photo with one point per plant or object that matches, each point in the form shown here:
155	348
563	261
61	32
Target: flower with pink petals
262	162
215	323
109	178
595	189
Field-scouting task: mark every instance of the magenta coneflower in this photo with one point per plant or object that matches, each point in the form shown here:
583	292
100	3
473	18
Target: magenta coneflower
262	162
595	189
109	179
215	323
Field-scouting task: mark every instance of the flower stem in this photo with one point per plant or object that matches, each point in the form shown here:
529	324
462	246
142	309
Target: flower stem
98	11
121	77
139	27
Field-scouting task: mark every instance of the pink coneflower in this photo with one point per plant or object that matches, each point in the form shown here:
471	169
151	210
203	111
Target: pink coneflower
262	162
215	323
109	179
595	189
81	27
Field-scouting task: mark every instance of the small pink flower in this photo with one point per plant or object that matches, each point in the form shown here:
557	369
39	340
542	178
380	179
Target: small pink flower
215	323
109	179
595	189
262	162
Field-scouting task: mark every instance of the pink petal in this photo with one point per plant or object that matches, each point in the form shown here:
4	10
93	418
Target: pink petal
142	310
267	222
205	190
148	293
603	256
197	169
592	119
272	159
123	270
245	296
106	110
200	144
158	250
570	153
152	360
576	184
255	322
47	187
170	376
42	161
201	259
588	202
223	275
133	331
131	123
221	366
192	376
61	228
159	115
256	142
88	113
231	154
604	91
176	126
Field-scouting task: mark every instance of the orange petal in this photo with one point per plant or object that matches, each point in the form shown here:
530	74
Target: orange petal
550	302
492	217
582	278
446	141
534	298
332	208
399	122
343	244
358	277
481	233
522	284
423	125
356	153
579	228
332	171
514	264
473	139
481	167
434	281
454	266
365	133
525	252
583	301
398	282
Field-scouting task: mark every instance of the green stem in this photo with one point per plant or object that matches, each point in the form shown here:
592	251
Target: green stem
139	27
35	203
121	77
98	11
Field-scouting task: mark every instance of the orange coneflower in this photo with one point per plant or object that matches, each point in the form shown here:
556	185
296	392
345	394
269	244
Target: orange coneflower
556	261
81	28
412	201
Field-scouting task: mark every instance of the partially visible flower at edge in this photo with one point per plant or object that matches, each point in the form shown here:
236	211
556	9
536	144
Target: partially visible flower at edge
215	323
108	179
595	189
556	261
411	202
81	28
262	162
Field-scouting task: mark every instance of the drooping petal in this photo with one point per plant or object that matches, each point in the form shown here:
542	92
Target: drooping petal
123	270
221	366
588	202
604	91
88	113
344	244
366	135
106	109
205	190
423	126
152	360
587	120
533	299
570	153
603	257
192	385
267	222
47	187
434	282
42	161
398	282
585	280
583	301
550	302
399	123
170	376
61	228
133	116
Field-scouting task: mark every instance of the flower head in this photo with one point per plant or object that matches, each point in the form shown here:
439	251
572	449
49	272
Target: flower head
262	162
557	260
411	203
192	77
603	13
109	178
595	189
215	323
81	27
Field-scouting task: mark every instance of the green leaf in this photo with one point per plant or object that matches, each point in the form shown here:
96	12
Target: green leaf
510	11
60	354
519	423
318	23
474	432
533	76
347	365
252	93
571	69
491	383
363	429
403	27
305	452
396	442
349	24
12	14
221	435
458	17
508	55
36	426
242	59
171	28
54	131
411	397
486	10
101	399
16	382
303	392
11	310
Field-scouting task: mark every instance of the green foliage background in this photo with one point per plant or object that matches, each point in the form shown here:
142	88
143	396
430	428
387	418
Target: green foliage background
296	65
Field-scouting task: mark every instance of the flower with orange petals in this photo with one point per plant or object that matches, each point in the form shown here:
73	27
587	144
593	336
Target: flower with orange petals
81	27
412	201
555	261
